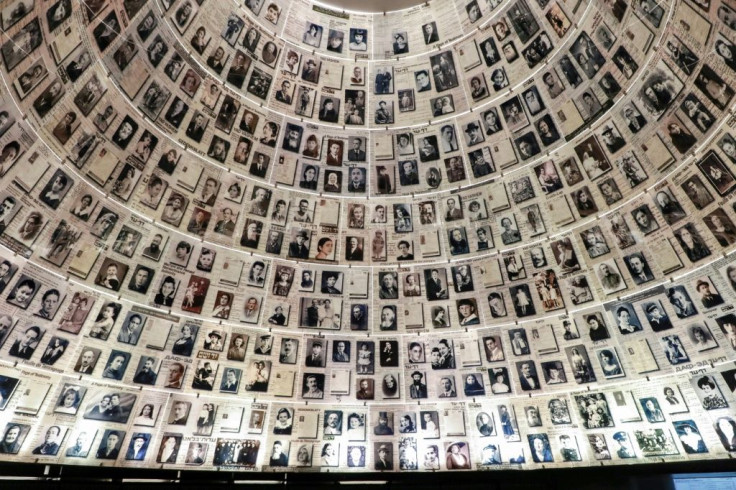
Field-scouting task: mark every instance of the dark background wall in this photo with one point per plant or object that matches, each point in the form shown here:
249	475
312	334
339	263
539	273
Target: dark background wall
635	477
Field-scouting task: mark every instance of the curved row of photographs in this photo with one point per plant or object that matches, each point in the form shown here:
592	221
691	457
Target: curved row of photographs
201	106
69	328
401	174
457	242
497	286
321	244
23	344
518	293
159	267
53	418
521	190
456	238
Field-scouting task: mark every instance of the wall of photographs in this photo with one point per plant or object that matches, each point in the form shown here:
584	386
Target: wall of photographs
273	236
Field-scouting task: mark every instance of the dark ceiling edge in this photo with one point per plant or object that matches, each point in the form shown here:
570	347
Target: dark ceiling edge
611	473
353	6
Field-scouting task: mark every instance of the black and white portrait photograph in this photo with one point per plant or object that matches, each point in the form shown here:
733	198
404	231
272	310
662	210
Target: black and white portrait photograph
384	112
124	133
537	50
358	39
16	10
259	83
30	37
312	35
628	321
304	98
38	72
406	100
659	89
422	80
110	406
441	106
443	71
